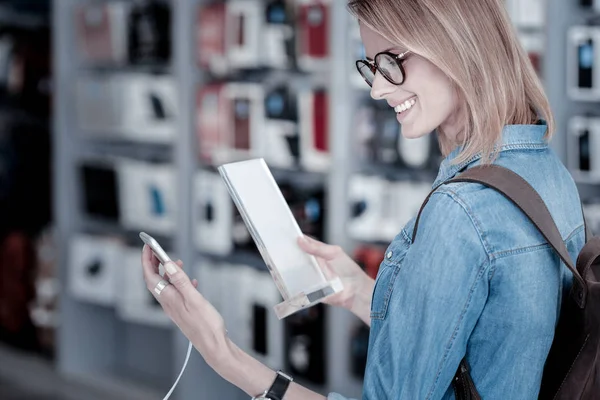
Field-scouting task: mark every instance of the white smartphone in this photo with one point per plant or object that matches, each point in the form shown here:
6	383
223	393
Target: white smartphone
158	251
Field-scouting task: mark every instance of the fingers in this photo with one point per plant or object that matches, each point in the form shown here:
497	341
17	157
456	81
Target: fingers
180	280
194	281
317	248
149	266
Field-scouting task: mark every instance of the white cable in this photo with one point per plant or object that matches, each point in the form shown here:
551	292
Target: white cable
187	357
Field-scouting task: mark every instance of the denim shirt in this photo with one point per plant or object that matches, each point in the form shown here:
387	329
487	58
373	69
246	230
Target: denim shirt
479	281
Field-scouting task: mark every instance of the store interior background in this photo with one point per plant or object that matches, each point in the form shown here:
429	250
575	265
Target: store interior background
115	114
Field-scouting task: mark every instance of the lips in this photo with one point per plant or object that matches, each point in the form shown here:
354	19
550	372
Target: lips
407	105
402	102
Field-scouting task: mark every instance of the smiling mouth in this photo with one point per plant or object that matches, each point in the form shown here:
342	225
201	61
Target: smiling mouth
407	105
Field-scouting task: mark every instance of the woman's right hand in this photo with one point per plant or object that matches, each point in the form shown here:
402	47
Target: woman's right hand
334	262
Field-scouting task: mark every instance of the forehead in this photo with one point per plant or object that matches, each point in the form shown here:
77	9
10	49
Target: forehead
374	42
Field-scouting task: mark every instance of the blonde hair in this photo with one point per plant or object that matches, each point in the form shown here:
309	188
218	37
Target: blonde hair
473	42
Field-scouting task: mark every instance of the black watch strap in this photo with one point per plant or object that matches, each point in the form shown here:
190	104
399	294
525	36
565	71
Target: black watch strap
279	387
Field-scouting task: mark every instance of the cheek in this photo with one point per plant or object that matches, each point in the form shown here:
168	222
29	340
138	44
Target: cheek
439	98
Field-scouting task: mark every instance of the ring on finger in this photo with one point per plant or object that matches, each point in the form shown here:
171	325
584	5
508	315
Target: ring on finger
160	286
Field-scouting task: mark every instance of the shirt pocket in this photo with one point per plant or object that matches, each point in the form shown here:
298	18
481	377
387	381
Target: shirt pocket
386	277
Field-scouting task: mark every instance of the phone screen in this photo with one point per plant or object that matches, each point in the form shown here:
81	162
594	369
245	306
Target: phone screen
586	64
584	151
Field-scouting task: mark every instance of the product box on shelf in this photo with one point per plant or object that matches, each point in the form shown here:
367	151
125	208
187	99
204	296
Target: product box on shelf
133	106
99	190
314	130
366	196
147	196
213	214
118	33
313	22
583	71
94	265
101	32
281	145
583	148
230	122
244	34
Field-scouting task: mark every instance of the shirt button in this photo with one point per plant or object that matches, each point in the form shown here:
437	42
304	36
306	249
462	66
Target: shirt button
389	254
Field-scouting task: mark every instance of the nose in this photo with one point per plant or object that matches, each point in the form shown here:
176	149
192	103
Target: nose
381	87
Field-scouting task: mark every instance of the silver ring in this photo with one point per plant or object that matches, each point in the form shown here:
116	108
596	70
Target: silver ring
160	286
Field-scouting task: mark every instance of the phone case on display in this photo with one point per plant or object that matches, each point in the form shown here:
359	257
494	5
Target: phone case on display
100	190
305	344
150	33
583	146
277	36
134	302
99	104
245	140
312	34
94	264
210	37
266	339
314	130
366	203
151	108
213	214
281	144
583	72
102	32
213	122
244	22
147	196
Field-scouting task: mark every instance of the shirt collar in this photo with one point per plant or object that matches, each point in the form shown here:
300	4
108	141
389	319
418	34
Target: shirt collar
513	137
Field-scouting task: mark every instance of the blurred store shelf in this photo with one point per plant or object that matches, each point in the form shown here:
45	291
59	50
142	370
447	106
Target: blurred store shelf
27	377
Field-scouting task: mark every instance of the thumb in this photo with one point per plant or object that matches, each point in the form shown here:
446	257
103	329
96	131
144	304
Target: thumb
179	279
317	248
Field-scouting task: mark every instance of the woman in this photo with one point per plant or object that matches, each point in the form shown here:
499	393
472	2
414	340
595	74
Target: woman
479	281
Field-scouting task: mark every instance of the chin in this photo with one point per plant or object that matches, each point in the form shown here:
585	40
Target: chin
412	132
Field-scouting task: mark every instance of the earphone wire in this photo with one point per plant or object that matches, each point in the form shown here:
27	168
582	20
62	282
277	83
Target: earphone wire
187	358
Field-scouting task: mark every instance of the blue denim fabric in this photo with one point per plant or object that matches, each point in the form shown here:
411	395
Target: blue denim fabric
479	281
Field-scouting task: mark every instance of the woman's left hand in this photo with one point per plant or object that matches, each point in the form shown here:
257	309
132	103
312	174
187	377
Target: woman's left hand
199	321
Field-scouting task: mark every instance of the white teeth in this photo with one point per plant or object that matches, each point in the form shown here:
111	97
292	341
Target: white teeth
407	105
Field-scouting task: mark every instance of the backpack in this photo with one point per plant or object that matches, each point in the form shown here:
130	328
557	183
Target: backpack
572	368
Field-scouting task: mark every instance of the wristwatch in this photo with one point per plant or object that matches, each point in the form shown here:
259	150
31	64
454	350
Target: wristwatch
277	389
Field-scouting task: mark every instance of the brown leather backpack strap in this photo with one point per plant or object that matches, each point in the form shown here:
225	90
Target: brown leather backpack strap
516	189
